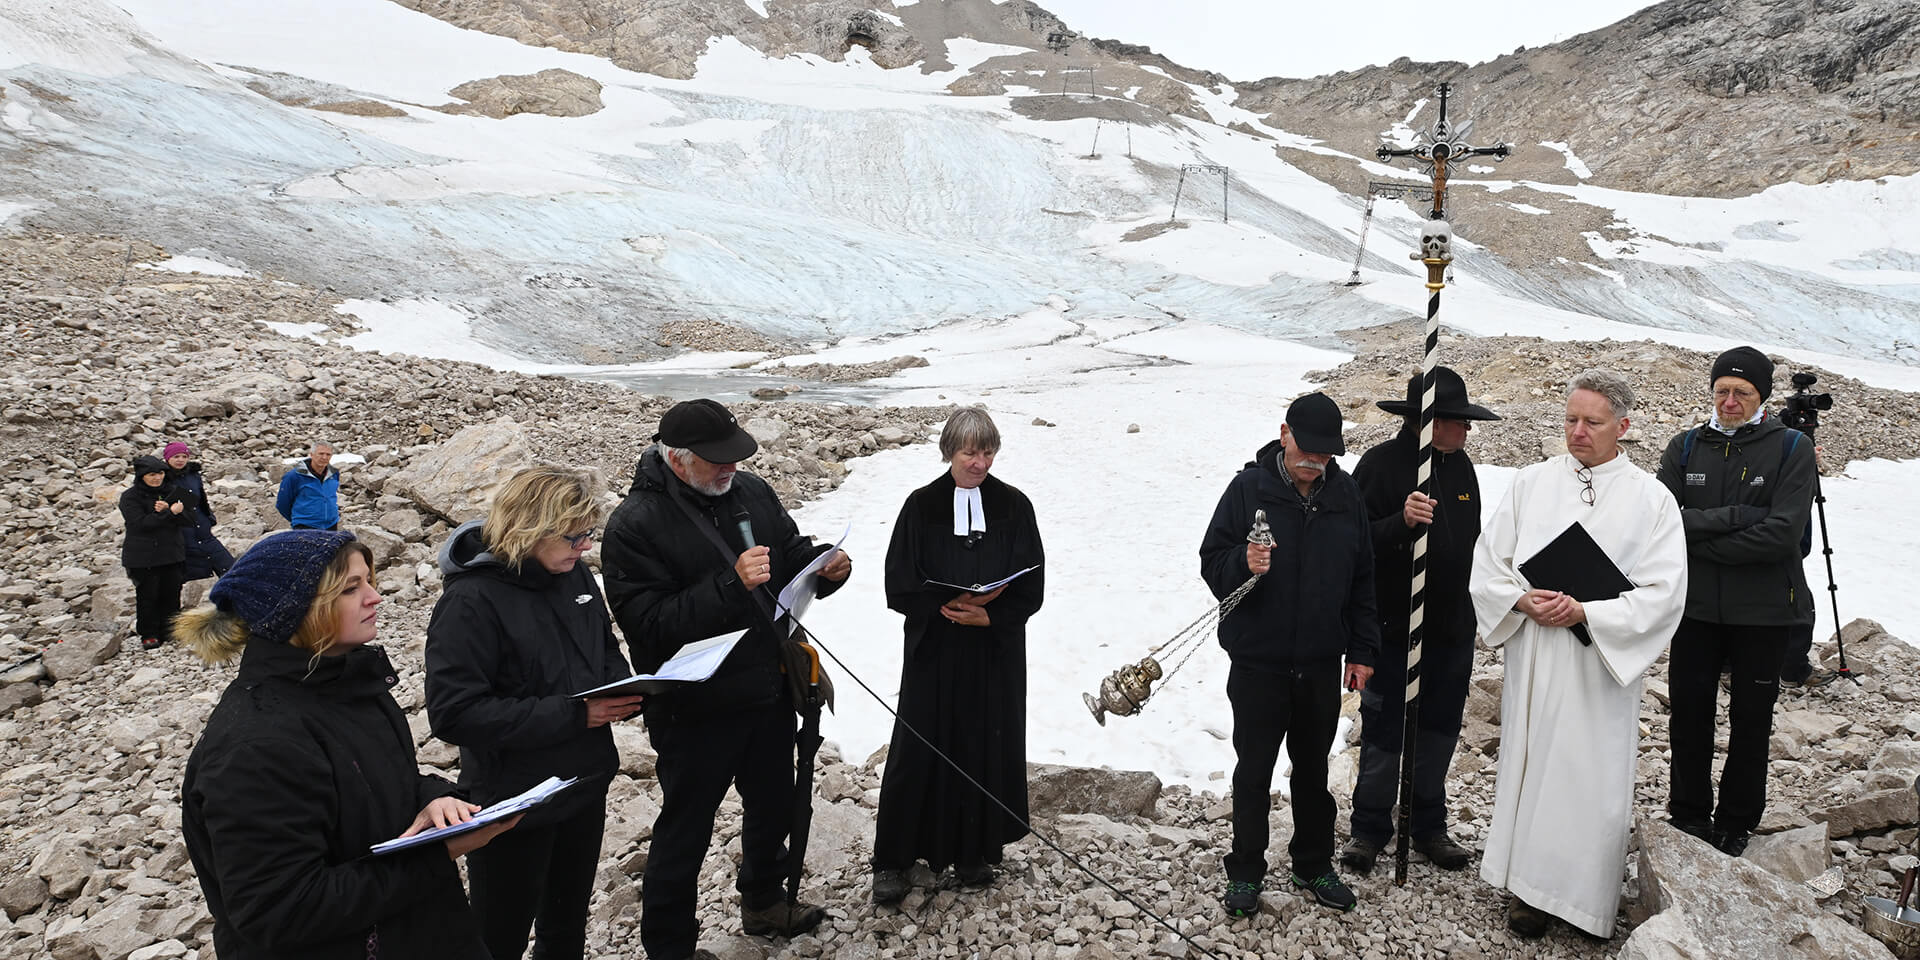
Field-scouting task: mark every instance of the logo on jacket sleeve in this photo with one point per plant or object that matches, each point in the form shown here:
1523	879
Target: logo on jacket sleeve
583	598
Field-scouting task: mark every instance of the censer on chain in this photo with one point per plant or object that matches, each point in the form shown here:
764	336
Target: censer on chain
1125	691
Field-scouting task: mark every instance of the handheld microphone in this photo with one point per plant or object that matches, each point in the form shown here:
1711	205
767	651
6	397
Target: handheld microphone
746	527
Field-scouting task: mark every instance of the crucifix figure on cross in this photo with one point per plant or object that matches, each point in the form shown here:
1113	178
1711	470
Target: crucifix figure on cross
1435	149
1438	147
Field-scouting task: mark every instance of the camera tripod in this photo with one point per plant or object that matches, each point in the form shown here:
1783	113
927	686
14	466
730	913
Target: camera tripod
1802	413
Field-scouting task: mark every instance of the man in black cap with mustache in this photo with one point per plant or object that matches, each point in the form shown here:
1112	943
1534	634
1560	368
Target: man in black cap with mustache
685	555
1398	513
1312	608
1744	482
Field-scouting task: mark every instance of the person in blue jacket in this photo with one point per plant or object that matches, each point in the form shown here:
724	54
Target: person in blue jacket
310	492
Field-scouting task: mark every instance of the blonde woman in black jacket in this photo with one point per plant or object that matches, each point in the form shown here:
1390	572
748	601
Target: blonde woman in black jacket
306	763
520	626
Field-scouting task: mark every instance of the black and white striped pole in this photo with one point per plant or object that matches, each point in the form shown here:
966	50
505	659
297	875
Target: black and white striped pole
1435	149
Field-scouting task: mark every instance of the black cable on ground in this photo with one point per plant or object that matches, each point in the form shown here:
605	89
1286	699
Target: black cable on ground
977	785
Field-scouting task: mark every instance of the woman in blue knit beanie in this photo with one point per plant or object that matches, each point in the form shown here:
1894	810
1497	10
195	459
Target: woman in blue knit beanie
307	762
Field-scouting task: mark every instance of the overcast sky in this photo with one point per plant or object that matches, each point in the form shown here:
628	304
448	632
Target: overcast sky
1252	39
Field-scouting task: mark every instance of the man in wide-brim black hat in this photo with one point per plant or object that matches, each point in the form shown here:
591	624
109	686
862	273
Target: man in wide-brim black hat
1450	515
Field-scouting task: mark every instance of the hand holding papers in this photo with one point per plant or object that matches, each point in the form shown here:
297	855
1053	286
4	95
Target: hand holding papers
984	587
1575	565
799	591
504	810
693	663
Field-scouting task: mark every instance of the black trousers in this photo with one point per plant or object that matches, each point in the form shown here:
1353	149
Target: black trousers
156	599
1303	709
1699	650
1797	664
1377	788
751	750
538	878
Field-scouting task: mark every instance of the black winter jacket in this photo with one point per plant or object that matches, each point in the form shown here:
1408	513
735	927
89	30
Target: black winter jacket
153	537
669	585
300	770
1744	501
1386	476
1316	604
205	554
505	649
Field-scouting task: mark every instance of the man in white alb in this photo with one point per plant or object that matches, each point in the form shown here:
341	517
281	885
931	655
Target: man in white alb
1570	712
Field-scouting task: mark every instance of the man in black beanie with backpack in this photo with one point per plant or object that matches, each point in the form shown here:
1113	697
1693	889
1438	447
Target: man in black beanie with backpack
1744	483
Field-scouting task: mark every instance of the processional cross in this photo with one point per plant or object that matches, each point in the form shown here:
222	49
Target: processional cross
1434	149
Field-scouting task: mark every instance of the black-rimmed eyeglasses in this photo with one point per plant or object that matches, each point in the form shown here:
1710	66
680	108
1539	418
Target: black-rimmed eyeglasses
1585	475
580	541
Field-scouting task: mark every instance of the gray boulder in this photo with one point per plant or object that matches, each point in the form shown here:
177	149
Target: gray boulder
1708	906
76	654
1798	855
1883	808
1054	790
456	480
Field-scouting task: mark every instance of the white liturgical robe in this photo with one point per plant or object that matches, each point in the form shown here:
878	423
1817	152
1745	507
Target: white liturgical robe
1570	713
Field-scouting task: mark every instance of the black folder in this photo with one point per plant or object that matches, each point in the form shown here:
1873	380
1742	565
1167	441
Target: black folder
1574	565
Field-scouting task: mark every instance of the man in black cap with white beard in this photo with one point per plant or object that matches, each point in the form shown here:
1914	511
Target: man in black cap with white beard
1744	483
684	557
1450	517
1312	608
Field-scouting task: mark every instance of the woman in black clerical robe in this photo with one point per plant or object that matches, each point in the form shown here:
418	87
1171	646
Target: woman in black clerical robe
963	679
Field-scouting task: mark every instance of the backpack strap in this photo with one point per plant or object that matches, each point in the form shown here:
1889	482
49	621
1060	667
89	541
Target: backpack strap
1686	448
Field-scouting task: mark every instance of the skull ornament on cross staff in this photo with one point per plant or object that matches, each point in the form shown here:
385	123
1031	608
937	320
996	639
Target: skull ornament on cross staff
1436	241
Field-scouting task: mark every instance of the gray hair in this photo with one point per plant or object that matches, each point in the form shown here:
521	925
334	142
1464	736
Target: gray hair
969	429
677	455
317	444
1607	384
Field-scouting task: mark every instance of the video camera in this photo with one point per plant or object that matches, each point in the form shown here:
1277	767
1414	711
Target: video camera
1803	408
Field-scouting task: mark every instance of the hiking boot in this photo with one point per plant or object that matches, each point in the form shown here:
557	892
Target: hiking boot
1328	889
977	875
783	919
890	886
1695	828
149	643
1444	853
1359	854
1730	842
1526	921
1242	899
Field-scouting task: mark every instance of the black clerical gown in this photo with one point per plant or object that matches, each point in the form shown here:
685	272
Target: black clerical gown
964	688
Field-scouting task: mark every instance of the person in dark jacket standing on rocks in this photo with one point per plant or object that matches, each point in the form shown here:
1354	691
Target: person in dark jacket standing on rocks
1450	516
963	677
310	492
685	555
1313	606
206	555
1744	482
153	551
520	626
306	763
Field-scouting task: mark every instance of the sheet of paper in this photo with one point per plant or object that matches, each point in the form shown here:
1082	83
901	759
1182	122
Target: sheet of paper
800	590
534	796
692	663
985	587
